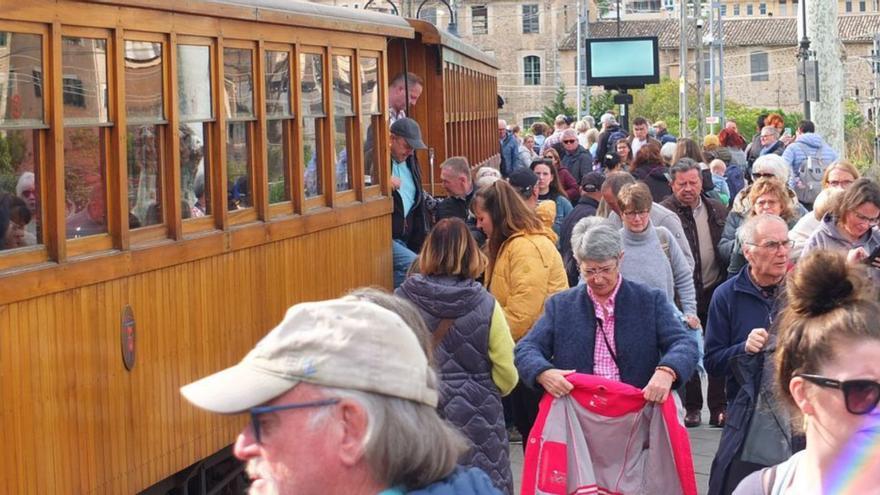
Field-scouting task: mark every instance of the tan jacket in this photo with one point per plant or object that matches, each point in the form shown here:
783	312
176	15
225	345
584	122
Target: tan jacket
527	271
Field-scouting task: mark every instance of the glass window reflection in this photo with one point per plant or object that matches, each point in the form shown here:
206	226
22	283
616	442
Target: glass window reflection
194	82
277	84
143	81
84	80
238	82
21	79
85	161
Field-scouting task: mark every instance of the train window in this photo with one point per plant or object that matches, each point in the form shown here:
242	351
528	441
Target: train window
312	95
21	118
86	135
344	118
196	115
369	79
146	115
238	84
278	116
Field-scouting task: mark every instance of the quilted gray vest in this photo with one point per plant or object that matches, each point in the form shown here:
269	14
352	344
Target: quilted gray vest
469	398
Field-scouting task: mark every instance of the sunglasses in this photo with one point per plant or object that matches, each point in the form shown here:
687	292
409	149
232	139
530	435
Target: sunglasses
569	141
761	175
861	396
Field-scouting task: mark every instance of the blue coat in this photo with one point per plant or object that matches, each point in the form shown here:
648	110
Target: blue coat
737	307
470	481
647	334
509	147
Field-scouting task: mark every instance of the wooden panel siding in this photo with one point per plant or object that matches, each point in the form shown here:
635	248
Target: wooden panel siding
78	422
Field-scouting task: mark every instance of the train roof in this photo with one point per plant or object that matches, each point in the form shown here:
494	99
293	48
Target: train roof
433	35
289	12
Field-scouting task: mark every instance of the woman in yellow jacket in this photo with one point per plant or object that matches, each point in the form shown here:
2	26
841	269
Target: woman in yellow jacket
524	270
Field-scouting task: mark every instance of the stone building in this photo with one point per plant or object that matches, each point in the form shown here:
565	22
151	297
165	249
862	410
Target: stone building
760	56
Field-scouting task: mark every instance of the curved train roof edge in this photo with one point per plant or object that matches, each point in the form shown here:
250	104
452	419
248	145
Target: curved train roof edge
290	12
434	35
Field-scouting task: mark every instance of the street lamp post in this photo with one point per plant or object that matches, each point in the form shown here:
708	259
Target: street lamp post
803	58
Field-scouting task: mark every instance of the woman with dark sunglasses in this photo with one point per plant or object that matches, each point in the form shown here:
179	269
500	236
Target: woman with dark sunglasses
827	371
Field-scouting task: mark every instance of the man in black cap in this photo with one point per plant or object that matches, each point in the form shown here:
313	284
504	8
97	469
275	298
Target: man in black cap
591	194
409	222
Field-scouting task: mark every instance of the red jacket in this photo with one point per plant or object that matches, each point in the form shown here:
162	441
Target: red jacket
604	438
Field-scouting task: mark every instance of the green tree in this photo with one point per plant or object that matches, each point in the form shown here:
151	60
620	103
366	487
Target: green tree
558	107
601	103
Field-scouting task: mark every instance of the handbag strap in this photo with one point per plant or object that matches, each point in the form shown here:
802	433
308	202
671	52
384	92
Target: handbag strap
440	332
607	344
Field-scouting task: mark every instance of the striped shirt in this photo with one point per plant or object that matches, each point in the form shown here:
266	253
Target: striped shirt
603	362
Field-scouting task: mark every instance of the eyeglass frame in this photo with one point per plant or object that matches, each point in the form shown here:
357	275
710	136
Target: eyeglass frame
863	218
256	412
762	175
569	141
774	245
840	183
842	385
642	213
600	271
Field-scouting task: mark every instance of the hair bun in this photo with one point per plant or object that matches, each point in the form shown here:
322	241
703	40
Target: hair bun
822	282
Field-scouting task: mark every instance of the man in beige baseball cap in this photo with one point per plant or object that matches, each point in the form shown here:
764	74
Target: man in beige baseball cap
341	399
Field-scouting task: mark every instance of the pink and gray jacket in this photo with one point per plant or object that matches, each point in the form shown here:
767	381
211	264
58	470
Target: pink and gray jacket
605	439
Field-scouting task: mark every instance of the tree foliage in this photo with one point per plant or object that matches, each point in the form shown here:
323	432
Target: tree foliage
558	107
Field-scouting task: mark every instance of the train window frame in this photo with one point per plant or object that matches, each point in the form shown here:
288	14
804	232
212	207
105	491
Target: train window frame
250	213
165	189
288	128
108	137
352	128
378	121
214	218
322	132
39	253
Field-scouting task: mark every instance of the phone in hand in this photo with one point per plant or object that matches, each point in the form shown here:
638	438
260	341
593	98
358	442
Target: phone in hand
872	257
787	132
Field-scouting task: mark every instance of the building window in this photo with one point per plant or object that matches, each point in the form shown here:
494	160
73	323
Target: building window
762	8
479	19
783	10
847	6
750	10
532	70
723	9
530	19
669	5
759	66
73	92
429	14
736	10
862	5
528	121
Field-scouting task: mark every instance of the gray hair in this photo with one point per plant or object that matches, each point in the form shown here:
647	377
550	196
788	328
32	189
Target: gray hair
607	119
407	443
569	133
668	151
769	130
746	232
581	126
772	164
594	238
683	165
486	181
26	179
457	164
487	172
590	121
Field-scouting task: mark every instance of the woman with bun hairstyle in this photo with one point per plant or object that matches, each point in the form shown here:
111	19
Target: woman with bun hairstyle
524	270
851	226
471	344
827	371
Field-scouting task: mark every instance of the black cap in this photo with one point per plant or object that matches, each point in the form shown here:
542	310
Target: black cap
409	129
592	182
523	179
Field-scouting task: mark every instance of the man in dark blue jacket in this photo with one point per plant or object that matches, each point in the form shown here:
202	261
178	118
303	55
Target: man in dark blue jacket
740	317
509	149
409	220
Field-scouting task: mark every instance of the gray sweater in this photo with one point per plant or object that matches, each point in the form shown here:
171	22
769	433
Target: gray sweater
645	262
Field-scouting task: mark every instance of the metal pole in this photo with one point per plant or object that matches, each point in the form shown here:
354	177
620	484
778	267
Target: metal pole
583	55
618	18
682	70
720	41
698	69
712	65
578	66
804	56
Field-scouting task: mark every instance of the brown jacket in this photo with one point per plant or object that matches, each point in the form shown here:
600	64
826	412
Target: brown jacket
717	217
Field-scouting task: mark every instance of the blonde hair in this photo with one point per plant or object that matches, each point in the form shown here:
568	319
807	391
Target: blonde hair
451	250
844	165
508	212
771	185
635	197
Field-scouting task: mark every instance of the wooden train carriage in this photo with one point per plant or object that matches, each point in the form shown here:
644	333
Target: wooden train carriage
458	108
189	170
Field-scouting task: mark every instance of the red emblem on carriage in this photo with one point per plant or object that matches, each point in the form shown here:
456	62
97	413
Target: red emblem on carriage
127	339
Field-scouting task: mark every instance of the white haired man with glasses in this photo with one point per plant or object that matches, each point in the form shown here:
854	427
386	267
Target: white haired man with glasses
739	325
342	400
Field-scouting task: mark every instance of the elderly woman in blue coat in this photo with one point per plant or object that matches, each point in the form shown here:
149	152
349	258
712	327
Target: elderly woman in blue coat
610	327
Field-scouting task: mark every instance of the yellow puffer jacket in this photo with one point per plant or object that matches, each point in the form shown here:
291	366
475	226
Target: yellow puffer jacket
527	271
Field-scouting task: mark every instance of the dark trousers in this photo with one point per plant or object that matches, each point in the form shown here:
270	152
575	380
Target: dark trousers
524	404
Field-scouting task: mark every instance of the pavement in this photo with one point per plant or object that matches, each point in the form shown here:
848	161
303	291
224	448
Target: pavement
704	443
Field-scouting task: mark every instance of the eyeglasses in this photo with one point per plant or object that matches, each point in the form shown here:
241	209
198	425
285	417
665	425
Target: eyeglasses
595	272
840	183
29	193
872	221
761	175
861	396
773	245
766	203
569	141
634	214
257	411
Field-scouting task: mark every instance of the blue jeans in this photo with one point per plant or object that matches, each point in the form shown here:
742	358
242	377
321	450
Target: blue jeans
402	258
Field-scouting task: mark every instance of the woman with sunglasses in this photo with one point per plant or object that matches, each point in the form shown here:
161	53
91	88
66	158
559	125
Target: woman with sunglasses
851	226
764	167
566	180
827	371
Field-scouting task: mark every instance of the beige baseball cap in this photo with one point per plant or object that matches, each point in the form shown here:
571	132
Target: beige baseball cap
342	343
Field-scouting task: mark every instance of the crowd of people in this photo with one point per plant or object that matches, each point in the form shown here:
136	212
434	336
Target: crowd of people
642	262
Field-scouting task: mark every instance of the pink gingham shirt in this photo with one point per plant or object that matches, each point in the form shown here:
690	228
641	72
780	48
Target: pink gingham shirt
603	363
